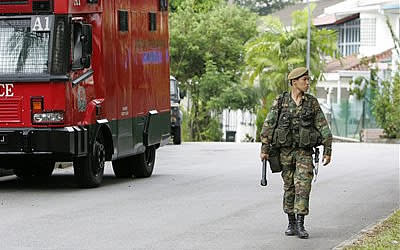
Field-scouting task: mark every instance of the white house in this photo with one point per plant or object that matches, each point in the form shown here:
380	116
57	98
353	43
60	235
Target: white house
363	34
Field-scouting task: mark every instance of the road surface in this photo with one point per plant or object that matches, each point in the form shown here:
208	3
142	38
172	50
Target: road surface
201	196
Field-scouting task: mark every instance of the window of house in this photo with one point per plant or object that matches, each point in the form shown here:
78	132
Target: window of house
368	31
349	37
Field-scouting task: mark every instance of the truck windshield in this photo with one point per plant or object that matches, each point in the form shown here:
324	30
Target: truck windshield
22	51
173	87
174	90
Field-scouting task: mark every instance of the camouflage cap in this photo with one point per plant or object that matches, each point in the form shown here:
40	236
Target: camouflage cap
297	72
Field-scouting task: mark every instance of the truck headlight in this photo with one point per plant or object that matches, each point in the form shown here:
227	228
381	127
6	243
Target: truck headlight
48	117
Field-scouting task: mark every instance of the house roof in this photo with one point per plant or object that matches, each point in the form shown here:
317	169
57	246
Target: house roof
285	14
354	63
349	7
331	19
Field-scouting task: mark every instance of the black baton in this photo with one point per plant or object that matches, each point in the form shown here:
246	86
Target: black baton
264	174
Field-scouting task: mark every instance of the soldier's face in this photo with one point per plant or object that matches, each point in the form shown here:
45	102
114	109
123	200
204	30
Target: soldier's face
302	84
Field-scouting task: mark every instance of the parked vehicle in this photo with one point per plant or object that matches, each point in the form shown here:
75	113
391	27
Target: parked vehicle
176	113
83	81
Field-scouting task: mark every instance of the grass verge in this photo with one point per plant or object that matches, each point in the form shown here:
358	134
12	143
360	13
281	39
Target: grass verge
385	235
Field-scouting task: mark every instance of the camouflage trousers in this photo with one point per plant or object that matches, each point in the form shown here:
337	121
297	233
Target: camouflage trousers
297	175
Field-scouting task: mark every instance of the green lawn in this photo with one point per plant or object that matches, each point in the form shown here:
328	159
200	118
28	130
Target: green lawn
383	236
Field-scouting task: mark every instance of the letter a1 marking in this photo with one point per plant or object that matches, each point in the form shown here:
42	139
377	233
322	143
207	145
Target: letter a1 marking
41	23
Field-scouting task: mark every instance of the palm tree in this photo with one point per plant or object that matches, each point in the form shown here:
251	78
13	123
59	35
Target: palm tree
278	50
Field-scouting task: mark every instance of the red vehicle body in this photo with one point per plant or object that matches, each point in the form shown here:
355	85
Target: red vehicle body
84	81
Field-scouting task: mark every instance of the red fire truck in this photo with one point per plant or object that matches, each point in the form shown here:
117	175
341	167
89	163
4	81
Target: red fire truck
84	81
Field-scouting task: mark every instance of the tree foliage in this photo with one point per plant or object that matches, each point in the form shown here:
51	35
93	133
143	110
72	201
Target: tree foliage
277	51
207	57
383	94
386	107
265	7
198	5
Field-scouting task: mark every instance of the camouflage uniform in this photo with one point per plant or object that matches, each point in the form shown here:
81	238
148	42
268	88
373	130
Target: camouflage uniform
297	166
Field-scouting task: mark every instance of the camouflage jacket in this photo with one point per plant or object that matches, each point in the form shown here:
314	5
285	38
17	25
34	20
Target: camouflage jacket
320	122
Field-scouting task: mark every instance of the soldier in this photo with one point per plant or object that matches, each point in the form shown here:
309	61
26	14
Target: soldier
301	125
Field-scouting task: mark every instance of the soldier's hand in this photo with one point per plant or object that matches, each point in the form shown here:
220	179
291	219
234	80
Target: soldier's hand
327	159
264	156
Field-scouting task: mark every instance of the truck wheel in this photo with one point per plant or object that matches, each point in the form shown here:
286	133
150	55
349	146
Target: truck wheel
89	170
123	168
177	135
144	163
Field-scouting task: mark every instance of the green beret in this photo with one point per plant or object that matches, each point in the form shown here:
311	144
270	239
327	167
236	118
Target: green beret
297	72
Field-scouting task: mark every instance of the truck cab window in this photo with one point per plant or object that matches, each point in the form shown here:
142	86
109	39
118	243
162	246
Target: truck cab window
22	51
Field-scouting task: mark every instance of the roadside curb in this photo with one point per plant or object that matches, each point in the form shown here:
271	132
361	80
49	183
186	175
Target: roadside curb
360	234
344	139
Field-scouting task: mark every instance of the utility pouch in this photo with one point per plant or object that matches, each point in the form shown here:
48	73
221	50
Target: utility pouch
282	136
274	160
309	137
304	137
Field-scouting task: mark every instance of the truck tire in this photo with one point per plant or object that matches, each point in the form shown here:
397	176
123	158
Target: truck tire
37	169
89	170
144	163
123	168
177	135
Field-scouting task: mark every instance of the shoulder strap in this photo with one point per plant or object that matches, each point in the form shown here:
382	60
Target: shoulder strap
280	100
310	102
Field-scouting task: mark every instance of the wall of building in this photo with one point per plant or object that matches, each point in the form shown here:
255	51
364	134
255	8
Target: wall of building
240	124
375	34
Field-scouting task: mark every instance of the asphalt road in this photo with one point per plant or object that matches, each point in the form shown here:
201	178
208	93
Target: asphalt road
201	196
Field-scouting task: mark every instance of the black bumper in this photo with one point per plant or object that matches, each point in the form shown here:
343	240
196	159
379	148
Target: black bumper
67	141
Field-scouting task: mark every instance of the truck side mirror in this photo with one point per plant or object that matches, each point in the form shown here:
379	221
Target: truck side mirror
82	50
86	39
182	93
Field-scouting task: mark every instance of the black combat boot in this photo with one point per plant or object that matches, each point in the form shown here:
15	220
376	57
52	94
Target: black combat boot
291	229
301	232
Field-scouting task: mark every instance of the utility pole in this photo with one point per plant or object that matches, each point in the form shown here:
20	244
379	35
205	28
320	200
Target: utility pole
308	35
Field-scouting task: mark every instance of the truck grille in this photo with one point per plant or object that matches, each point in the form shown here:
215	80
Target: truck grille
10	110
